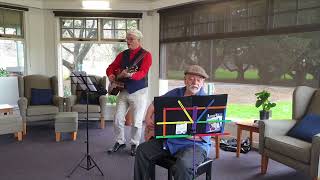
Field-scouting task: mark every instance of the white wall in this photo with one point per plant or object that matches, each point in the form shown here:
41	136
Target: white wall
35	41
150	29
51	38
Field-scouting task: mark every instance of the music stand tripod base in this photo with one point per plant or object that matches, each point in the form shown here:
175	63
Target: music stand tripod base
86	85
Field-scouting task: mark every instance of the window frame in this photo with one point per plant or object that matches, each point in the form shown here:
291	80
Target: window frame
99	29
73	28
22	24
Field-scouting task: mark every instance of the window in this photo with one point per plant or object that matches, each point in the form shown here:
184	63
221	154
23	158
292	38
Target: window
79	29
88	29
245	46
12	41
11	23
116	29
97	42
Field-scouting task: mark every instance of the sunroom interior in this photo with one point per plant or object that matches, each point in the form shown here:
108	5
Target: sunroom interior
245	46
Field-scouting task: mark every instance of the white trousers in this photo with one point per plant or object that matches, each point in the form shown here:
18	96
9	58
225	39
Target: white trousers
137	101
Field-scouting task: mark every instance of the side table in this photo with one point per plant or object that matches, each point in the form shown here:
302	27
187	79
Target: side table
6	109
251	127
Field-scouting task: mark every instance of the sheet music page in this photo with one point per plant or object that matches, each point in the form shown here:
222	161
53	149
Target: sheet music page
81	78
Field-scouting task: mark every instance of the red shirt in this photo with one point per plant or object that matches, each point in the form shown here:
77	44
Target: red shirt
143	70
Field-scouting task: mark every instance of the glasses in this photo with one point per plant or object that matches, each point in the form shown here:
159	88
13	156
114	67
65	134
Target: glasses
131	39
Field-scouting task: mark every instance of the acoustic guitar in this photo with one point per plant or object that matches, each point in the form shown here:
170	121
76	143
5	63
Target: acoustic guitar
116	86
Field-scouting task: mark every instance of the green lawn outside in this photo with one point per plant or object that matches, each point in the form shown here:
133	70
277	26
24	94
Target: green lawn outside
225	74
244	112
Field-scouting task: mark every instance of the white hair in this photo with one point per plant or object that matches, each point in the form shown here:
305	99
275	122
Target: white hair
136	33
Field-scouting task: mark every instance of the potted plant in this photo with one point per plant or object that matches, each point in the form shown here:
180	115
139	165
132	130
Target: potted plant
264	102
3	72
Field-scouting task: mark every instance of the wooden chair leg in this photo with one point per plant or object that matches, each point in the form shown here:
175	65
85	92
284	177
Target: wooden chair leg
74	136
264	163
24	124
58	136
19	134
102	123
217	139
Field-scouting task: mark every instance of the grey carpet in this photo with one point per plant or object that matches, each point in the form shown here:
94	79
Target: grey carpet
39	157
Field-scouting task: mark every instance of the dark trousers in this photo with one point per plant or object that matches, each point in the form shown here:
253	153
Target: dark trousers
151	151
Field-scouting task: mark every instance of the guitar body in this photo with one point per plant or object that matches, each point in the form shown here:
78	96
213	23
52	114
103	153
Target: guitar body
116	86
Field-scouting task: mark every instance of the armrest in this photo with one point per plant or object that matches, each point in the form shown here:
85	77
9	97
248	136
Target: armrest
58	101
269	128
70	101
315	155
103	103
23	105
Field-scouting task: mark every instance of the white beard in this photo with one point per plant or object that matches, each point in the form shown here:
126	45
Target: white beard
193	89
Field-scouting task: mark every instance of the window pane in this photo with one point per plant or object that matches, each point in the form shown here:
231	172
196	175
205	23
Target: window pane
79	33
108	34
309	16
91	33
120	34
91	23
78	23
11	22
285	19
120	24
132	24
13	53
1	30
284	5
256	23
67	33
308	3
10	31
286	60
67	23
107	24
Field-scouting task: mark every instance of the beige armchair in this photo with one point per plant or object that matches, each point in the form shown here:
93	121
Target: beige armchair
95	111
298	154
31	112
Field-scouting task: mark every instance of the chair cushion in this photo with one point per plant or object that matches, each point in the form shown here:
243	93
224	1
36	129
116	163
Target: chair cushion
66	117
306	128
83	108
290	147
92	99
41	96
42	110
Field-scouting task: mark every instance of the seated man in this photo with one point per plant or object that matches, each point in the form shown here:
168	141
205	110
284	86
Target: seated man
155	149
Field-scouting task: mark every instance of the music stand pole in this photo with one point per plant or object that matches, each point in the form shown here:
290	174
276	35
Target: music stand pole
90	161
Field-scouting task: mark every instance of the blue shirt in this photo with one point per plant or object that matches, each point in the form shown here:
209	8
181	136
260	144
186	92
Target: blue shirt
174	145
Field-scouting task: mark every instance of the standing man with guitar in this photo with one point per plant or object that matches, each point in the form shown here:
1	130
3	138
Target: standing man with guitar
128	75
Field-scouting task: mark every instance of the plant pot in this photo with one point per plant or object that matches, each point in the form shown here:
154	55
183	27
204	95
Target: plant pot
264	115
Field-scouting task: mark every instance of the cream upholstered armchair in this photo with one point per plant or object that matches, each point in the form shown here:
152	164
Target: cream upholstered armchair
39	98
298	154
77	102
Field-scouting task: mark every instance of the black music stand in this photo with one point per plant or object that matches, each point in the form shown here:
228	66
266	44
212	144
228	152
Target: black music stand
84	84
190	116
